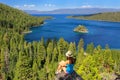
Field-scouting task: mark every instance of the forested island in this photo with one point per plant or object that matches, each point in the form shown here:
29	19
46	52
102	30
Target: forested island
108	16
81	29
22	60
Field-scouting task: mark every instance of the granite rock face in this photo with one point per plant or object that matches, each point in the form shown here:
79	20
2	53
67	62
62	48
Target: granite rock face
63	76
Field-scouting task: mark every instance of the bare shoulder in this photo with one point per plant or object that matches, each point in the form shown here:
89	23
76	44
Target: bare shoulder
67	61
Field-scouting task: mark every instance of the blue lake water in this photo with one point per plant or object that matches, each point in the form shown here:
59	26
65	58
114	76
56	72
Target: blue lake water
100	32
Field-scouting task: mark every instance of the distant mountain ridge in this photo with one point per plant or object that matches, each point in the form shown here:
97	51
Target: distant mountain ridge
74	11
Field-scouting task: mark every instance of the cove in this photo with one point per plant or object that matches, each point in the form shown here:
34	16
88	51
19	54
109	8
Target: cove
100	32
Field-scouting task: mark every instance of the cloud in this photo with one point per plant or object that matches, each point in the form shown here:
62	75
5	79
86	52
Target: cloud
86	6
16	6
25	6
29	6
49	5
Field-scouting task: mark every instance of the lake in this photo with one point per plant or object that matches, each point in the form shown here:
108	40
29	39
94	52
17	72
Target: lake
100	32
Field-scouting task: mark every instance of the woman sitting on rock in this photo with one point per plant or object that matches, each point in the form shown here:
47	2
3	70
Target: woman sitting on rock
65	69
66	66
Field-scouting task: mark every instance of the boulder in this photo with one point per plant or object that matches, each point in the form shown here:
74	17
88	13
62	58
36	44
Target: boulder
63	76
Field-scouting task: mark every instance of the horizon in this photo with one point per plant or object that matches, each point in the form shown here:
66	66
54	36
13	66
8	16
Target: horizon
70	8
48	5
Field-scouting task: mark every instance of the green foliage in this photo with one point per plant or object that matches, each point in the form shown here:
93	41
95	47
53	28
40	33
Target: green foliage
80	45
107	16
81	29
62	48
95	64
23	69
115	54
17	19
72	47
90	48
35	71
89	69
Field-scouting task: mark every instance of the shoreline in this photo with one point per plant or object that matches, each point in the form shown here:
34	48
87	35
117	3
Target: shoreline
95	20
43	22
81	32
53	18
26	32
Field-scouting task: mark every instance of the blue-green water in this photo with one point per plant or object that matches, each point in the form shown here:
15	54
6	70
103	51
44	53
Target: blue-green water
100	32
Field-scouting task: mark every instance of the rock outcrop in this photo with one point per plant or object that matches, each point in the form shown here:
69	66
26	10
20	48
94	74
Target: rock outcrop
63	76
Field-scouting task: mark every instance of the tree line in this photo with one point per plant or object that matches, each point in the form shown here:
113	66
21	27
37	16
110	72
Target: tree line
106	16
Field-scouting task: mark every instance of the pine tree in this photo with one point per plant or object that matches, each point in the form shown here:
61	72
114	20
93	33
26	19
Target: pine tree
50	52
40	54
79	58
90	48
88	69
55	55
35	70
2	64
72	47
49	57
98	50
108	61
80	45
43	74
23	69
62	48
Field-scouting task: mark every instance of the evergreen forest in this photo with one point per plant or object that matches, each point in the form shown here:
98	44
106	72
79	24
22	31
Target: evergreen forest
106	16
38	60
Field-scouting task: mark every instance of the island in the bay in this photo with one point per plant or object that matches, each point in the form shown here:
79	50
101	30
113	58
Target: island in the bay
81	29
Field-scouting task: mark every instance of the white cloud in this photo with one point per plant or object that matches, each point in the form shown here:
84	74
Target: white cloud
17	6
86	6
49	5
25	6
29	6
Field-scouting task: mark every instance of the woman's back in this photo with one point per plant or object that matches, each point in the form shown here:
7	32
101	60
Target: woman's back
69	68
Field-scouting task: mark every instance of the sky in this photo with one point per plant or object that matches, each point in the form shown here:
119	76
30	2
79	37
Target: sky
46	5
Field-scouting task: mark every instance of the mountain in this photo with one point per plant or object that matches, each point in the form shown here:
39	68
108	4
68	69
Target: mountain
74	11
32	11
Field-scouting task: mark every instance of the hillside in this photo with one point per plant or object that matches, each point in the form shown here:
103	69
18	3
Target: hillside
10	18
109	16
12	23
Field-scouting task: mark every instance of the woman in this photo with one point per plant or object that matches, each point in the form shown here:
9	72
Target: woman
66	66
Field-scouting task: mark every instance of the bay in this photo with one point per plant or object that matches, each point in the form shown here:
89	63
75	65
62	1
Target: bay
100	32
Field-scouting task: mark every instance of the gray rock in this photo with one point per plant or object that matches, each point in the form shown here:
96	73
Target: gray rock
63	76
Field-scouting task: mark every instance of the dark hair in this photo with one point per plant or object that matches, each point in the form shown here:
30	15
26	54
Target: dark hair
72	60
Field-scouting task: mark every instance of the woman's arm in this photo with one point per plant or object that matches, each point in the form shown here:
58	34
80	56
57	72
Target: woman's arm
64	63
